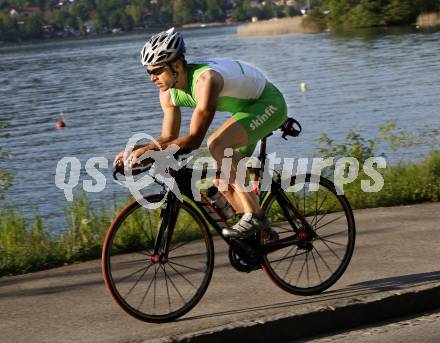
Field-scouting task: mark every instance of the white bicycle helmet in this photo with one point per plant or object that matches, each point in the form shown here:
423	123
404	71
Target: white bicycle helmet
163	47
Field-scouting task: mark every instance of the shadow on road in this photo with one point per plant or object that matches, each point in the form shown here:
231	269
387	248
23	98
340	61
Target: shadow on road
353	292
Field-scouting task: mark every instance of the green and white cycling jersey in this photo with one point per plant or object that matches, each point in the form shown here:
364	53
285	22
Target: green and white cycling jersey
255	103
242	84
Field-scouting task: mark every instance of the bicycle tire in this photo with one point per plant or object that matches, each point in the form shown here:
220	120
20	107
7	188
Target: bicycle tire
118	259
343	211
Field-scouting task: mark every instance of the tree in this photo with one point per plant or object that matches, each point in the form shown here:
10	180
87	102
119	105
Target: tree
135	12
399	12
126	22
290	11
338	11
241	11
366	13
33	25
425	6
99	21
181	12
82	9
8	28
163	10
214	12
267	11
114	19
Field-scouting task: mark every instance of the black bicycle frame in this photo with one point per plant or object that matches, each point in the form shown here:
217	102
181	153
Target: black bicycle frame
183	179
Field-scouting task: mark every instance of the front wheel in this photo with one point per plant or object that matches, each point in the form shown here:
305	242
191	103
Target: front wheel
163	286
320	224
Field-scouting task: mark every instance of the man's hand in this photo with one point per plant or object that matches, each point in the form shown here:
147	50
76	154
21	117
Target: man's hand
122	157
136	156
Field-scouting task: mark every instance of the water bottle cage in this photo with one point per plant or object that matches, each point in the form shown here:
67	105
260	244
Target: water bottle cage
291	127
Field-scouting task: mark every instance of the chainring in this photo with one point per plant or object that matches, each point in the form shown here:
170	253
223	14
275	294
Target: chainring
242	263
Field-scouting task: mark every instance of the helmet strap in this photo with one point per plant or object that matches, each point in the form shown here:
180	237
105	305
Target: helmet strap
175	74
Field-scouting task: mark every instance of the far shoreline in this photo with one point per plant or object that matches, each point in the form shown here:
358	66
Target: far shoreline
109	35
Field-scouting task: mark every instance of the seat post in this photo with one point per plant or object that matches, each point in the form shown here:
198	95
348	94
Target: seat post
262	155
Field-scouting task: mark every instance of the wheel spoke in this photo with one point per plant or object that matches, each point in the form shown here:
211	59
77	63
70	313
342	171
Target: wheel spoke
184	266
287	253
172	283
304	199
328	211
131	274
183	276
333	234
330	241
290	264
320	206
143	253
302	268
285	258
185	256
154	288
135	261
331	221
149	287
316	266
166	284
307	269
294	199
325	263
179	246
137	281
332	251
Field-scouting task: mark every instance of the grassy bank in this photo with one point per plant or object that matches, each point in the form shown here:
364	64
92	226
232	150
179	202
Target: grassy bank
280	26
27	245
428	20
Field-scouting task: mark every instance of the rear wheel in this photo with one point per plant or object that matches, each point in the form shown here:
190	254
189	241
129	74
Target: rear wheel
321	250
157	287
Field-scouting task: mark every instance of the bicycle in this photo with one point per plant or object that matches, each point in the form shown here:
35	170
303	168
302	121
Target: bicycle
157	264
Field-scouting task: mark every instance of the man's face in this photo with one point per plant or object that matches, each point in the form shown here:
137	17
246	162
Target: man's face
162	76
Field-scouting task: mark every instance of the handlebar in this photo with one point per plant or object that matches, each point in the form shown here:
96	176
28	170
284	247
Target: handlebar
147	164
119	169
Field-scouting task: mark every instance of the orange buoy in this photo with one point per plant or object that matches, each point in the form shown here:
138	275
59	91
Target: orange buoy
60	124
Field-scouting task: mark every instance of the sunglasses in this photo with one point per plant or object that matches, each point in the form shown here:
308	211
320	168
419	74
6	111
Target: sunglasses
156	71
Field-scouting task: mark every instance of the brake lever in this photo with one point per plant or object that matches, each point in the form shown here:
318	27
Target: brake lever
118	169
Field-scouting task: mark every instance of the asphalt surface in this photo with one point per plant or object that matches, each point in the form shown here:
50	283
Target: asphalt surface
424	328
397	249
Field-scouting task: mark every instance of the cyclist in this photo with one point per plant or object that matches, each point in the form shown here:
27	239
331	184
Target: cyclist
257	108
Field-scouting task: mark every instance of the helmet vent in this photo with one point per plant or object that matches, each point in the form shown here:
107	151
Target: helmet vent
162	48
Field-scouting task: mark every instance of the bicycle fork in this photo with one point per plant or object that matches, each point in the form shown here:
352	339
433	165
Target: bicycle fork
168	213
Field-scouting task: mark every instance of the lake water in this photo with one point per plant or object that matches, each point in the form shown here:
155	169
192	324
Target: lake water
354	81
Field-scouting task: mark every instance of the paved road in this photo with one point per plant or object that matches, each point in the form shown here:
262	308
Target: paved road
423	328
397	248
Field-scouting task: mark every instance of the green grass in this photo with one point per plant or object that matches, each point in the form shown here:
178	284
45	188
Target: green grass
27	245
405	183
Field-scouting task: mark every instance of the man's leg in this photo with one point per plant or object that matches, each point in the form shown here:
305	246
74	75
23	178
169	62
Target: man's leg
231	194
232	135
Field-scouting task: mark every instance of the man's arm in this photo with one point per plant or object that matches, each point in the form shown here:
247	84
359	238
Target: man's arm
208	88
170	124
171	119
170	128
